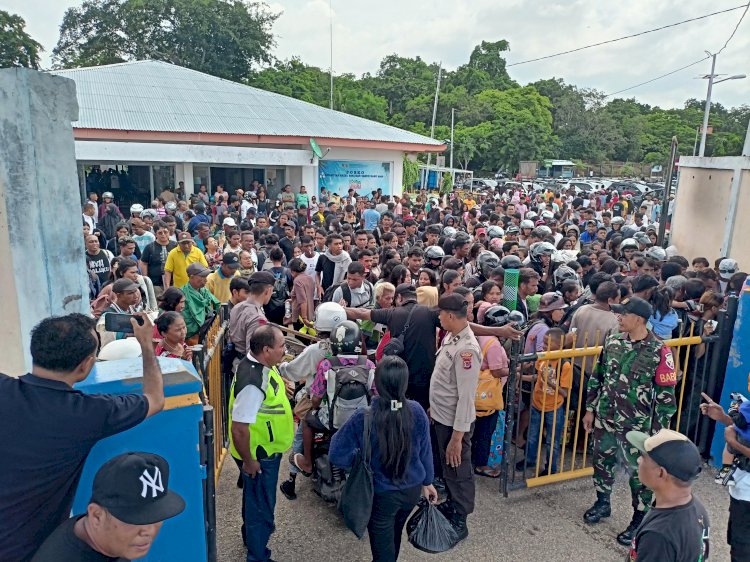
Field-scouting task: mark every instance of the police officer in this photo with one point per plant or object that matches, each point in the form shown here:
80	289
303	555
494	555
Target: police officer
247	316
632	389
452	391
261	428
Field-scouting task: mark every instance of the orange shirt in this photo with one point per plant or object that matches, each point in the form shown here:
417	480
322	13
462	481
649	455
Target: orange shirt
546	398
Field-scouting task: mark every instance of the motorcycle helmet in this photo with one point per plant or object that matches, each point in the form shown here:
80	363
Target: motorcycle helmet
642	238
727	268
328	315
149	213
541	249
618	220
517	318
345	338
531	215
511	262
433	253
564	273
656	253
496	316
628	244
486	262
449	231
544	230
136	209
526	223
107	195
170	206
548	215
512	229
495	231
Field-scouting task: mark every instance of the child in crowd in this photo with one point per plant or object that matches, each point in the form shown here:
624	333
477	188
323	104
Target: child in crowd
554	379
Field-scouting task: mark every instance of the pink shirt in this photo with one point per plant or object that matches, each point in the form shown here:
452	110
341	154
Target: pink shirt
319	387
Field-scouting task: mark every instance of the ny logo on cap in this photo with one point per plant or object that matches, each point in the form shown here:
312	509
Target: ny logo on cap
152	482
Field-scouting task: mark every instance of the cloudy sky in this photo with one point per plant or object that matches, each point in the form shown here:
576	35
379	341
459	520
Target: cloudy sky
447	30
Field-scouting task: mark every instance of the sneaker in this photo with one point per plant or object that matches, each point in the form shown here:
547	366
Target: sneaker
722	473
287	488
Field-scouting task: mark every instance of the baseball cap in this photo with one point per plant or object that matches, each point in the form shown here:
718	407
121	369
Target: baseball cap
184	237
229	221
124	285
406	289
551	301
453	303
480	231
634	305
231	259
133	487
198	269
671	450
262	277
727	268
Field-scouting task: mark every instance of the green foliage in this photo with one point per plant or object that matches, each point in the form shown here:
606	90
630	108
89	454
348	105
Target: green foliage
410	175
225	38
447	184
17	48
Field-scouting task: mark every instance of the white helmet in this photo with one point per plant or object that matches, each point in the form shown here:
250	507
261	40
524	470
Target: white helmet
107	195
149	213
642	238
548	215
541	249
656	253
136	208
531	215
544	230
120	349
618	220
526	223
628	244
495	231
449	231
329	315
170	206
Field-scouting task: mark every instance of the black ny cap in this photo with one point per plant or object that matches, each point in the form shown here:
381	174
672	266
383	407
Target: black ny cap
133	487
634	305
671	450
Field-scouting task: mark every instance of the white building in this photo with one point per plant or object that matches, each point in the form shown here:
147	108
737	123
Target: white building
157	124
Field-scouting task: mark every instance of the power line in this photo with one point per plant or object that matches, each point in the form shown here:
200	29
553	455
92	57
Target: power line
634	35
736	27
746	6
657	78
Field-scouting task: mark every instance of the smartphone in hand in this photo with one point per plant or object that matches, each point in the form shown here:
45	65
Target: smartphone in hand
120	322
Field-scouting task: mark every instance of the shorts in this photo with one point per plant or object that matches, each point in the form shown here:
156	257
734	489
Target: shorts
738	530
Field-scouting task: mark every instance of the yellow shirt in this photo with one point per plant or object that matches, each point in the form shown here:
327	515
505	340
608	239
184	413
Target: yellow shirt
218	285
177	262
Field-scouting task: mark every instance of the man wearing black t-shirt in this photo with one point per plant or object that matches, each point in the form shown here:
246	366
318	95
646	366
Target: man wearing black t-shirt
676	529
48	428
155	255
97	260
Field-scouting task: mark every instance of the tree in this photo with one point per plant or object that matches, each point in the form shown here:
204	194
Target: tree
17	48
225	38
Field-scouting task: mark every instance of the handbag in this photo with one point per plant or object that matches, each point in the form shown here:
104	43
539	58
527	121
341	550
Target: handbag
489	395
357	495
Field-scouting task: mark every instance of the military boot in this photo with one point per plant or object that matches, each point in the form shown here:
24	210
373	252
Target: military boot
626	537
599	510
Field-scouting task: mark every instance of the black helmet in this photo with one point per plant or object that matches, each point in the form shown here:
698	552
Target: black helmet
517	318
496	316
511	262
486	262
345	338
434	253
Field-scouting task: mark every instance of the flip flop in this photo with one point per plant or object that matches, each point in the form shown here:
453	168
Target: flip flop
293	462
487	473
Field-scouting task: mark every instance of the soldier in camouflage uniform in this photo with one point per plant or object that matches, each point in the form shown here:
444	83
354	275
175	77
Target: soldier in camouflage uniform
631	390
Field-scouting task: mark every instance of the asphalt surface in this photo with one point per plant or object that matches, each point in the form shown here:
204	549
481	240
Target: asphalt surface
543	524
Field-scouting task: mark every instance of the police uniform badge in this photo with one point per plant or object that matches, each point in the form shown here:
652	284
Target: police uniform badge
466	357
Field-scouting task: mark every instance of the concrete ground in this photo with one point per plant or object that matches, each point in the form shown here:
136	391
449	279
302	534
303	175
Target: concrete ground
544	524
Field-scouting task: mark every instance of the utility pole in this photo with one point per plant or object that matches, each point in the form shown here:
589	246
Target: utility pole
453	118
711	77
432	128
330	10
667	192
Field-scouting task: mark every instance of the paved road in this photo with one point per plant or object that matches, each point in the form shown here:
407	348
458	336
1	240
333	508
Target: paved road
542	524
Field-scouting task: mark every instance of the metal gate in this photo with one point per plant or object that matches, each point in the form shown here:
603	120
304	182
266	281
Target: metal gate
699	362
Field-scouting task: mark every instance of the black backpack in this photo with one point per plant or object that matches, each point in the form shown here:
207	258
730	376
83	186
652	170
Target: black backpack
280	290
351	390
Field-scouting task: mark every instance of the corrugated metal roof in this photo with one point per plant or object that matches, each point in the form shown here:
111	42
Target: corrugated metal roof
158	96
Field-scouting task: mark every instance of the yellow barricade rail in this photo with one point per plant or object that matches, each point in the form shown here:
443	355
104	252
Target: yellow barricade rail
573	443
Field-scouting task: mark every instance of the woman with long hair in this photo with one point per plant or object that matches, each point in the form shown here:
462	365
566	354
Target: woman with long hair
450	280
401	458
399	274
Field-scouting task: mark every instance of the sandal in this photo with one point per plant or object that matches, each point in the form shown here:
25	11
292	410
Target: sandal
293	462
488	472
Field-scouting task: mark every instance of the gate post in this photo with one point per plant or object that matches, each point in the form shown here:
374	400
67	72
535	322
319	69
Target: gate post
510	415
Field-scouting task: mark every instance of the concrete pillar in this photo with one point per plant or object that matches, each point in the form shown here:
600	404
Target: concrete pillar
184	172
309	180
43	270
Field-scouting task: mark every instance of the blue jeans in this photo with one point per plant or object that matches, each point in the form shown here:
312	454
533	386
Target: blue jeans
556	416
259	503
296	448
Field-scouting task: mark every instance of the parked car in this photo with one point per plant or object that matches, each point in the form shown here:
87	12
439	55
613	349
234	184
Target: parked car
480	184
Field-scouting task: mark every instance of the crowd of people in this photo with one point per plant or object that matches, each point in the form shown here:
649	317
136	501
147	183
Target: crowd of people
403	297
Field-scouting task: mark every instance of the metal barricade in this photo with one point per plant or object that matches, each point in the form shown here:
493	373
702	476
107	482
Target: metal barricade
546	401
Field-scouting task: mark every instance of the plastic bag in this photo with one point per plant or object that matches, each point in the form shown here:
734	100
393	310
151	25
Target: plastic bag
429	530
497	442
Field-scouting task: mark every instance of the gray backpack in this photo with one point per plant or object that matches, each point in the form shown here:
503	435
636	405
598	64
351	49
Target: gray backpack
348	390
